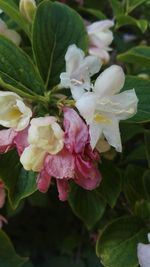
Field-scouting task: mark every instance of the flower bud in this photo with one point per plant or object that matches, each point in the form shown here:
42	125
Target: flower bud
27	8
10	34
13	112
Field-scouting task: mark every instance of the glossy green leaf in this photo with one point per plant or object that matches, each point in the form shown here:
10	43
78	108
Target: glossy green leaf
56	26
110	186
89	206
117	7
96	13
137	55
117	245
17	69
19	182
132	4
147	145
128	131
142	89
123	20
8	256
12	10
133	184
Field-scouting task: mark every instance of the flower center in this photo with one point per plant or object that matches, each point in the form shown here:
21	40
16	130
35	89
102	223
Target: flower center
101	118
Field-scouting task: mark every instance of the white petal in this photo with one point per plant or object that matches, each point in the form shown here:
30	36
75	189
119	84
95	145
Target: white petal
73	57
77	92
25	117
91	65
95	131
112	134
86	106
65	80
110	81
13	36
100	26
144	255
32	158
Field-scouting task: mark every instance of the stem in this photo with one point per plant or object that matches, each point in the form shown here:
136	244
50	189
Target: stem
40	98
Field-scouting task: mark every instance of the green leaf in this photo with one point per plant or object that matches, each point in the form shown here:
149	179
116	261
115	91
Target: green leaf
147	145
128	131
19	182
65	261
110	186
96	13
137	55
142	89
133	184
17	69
146	183
117	7
12	10
8	256
89	206
132	4
123	20
142	209
56	26
117	245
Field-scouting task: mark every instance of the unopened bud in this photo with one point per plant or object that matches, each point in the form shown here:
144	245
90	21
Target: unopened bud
27	8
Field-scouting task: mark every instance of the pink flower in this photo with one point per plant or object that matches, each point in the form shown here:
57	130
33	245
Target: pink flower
10	139
76	160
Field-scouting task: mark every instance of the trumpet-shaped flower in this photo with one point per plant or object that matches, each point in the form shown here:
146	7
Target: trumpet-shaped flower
76	160
100	38
27	9
144	254
104	108
44	136
13	112
79	69
10	34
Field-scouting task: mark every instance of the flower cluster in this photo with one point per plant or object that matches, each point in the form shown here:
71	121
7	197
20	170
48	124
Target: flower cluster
67	147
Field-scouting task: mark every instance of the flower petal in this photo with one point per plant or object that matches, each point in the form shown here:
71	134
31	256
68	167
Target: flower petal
87	176
73	57
7	140
95	130
43	181
76	131
86	106
63	189
109	82
32	158
21	140
100	26
144	255
60	165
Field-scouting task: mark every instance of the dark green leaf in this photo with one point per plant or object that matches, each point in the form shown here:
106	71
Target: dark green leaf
117	245
142	89
132	4
137	55
147	145
17	69
8	256
146	182
128	131
19	182
133	184
56	26
110	186
96	13
123	20
117	7
142	209
89	206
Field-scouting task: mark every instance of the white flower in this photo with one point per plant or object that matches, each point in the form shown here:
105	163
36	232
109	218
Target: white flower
13	112
79	69
104	108
10	34
144	254
100	38
27	9
44	136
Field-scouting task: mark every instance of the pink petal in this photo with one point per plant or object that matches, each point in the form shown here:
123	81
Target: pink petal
43	181
21	140
63	189
60	165
76	131
2	220
87	175
6	140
